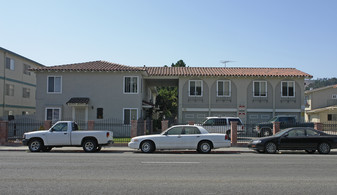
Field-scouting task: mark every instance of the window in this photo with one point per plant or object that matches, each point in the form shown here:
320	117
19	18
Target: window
332	117
53	114
131	85
192	130
223	88
288	89
54	84
296	133
10	64
9	90
99	113
60	127
195	88
175	131
312	133
334	96
25	92
25	69
25	113
234	119
260	88
130	114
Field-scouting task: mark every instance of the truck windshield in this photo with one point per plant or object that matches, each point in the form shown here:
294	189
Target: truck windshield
273	119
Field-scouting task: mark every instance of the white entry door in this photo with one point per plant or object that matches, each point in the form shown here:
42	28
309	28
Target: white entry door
80	115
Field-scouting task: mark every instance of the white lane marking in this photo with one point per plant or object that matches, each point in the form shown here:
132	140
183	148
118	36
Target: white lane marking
170	162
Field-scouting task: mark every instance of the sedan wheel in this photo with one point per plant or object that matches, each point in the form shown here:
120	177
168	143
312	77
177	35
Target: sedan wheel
204	147
270	148
324	148
147	147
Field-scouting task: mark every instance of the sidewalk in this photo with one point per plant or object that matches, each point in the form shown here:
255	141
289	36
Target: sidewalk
123	149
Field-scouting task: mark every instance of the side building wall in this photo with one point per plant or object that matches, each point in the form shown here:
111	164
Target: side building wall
242	101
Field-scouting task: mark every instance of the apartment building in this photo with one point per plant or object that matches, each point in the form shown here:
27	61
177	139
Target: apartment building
17	84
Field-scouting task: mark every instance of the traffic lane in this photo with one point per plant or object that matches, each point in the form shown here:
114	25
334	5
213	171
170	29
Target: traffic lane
161	173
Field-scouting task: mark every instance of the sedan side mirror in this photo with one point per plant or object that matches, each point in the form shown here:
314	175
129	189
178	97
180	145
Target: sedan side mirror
286	135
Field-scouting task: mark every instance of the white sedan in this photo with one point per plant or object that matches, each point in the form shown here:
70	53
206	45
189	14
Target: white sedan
181	137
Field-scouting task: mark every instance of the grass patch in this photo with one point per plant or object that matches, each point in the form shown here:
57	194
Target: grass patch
122	140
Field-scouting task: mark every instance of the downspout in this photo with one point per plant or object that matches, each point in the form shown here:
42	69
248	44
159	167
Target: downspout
4	87
209	100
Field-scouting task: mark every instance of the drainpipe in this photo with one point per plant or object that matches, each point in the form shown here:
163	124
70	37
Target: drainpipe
209	100
4	87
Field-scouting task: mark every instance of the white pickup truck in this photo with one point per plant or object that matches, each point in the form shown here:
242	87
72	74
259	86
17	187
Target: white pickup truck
66	133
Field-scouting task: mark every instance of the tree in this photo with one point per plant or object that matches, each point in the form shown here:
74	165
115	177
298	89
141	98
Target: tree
179	63
167	98
322	82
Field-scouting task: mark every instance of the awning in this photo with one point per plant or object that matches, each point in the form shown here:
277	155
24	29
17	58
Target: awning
78	101
146	104
318	110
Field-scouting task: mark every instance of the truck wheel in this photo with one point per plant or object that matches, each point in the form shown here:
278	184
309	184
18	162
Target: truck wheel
265	132
46	148
89	145
204	147
35	145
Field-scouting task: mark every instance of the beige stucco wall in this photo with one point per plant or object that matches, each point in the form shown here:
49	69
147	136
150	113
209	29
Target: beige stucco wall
17	104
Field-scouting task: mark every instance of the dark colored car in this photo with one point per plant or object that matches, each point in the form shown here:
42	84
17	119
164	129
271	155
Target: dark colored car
296	138
266	128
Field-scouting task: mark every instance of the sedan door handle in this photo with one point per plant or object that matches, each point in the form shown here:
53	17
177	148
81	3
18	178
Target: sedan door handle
65	133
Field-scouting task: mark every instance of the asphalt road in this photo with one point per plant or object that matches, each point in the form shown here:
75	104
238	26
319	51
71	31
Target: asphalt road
69	172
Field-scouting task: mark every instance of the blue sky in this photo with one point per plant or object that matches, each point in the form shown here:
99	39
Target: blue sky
252	33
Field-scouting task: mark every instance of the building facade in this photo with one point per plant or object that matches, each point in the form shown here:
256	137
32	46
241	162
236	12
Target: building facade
17	84
321	104
101	90
253	94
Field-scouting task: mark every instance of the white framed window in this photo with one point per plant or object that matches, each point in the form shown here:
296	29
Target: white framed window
260	88
223	88
53	114
25	69
129	114
9	90
287	89
195	88
54	84
334	96
10	63
131	84
25	92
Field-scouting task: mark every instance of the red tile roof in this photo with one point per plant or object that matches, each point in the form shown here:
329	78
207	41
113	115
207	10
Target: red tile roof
219	71
90	66
177	71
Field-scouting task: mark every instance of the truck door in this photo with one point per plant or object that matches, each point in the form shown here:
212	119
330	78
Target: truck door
59	135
